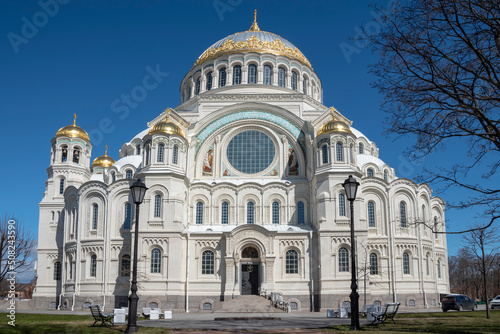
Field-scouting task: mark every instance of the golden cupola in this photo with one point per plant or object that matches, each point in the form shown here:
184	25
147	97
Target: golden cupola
166	126
334	125
103	161
73	131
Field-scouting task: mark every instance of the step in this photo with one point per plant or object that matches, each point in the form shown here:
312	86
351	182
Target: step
246	304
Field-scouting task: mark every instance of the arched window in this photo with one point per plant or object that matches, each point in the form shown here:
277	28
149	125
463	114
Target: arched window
361	148
175	155
423	215
304	86
385	176
64	152
155	261
157	211
402	213
439	268
148	154
61	186
95	216
207	263
292	262
276	213
161	150
267	74
197	87
427	264
301	215
250	212
406	263
93	266
340	151
342	205
370	172
209	81
324	153
294	80
128	174
128	216
371	214
252	74
224	217
138	150
237	75
351	154
125	265
199	212
113	177
343	260
373	264
222	77
57	271
435	228
53	215
76	155
281	77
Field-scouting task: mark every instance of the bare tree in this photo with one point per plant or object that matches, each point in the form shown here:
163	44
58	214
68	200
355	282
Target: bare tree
439	73
17	246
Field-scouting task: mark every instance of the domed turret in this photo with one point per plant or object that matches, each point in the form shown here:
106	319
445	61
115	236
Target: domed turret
334	125
166	126
73	131
103	161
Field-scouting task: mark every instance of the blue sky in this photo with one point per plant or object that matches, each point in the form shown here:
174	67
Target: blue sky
85	55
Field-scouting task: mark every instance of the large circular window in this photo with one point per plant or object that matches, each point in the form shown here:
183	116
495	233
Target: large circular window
250	152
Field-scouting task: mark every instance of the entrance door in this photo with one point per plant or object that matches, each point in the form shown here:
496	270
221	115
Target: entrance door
249	279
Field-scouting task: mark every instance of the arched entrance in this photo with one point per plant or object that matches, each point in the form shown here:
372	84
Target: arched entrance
250	263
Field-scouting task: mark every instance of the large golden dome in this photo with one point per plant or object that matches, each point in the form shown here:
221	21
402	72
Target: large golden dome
166	127
334	125
253	40
104	161
73	131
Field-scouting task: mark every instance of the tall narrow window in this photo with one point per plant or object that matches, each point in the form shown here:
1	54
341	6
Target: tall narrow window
439	268
267	74
252	74
427	265
373	264
351	154
222	77
157	211
402	212
161	151
76	156
125	265
225	213
199	212
292	262
148	154
406	263
155	261
385	176
343	260
250	212
237	75
138	150
64	156
324	153
371	214
435	228
304	86
57	271
423	215
207	263
113	177
93	266
361	148
128	174
342	205
61	186
340	151
95	216
294	80
175	155
276	213
209	81
370	172
281	77
301	215
128	216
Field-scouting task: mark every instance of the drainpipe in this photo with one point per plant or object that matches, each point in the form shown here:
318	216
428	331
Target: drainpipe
78	250
311	270
393	260
63	276
422	260
187	274
104	260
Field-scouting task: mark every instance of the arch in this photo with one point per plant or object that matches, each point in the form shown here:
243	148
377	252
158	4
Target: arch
250	212
291	262
155	265
160	152
250	252
208	84
224	212
371	214
93	266
268	75
305	85
61	185
361	148
386	177
199	212
300	213
95	216
342	210
252	74
281	76
237	75
207	263
373	264
222	77
343	259
129	174
295	80
64	153
197	86
370	172
324	153
175	154
402	213
276	212
406	263
76	154
339	148
158	206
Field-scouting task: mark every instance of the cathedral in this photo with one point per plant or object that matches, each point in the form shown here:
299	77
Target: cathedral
244	196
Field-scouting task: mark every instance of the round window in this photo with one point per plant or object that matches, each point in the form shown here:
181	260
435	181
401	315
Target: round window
251	152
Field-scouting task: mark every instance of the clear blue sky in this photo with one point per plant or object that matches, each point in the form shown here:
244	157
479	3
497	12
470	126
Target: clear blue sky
85	55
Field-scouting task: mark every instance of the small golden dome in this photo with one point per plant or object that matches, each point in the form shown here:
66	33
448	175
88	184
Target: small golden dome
104	161
73	131
166	127
334	125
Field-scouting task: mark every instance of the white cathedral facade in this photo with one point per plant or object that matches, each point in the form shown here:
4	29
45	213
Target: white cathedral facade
244	195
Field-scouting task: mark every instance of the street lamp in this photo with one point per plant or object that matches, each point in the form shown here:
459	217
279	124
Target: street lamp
351	187
138	190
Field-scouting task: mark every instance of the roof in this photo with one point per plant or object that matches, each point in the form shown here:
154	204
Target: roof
228	228
359	134
134	160
363	159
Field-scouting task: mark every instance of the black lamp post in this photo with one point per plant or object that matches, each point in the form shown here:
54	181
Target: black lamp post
138	190
351	187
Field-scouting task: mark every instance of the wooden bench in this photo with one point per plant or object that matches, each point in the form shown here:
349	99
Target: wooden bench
99	316
388	312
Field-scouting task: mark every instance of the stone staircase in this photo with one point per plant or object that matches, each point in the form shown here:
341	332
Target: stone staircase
246	304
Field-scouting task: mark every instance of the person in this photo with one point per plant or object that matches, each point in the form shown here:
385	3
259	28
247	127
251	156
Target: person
293	165
208	162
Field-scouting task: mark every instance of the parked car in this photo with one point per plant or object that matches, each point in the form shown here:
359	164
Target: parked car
495	302
458	302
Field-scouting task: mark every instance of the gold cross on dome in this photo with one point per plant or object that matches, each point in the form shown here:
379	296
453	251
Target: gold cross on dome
74	119
106	151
